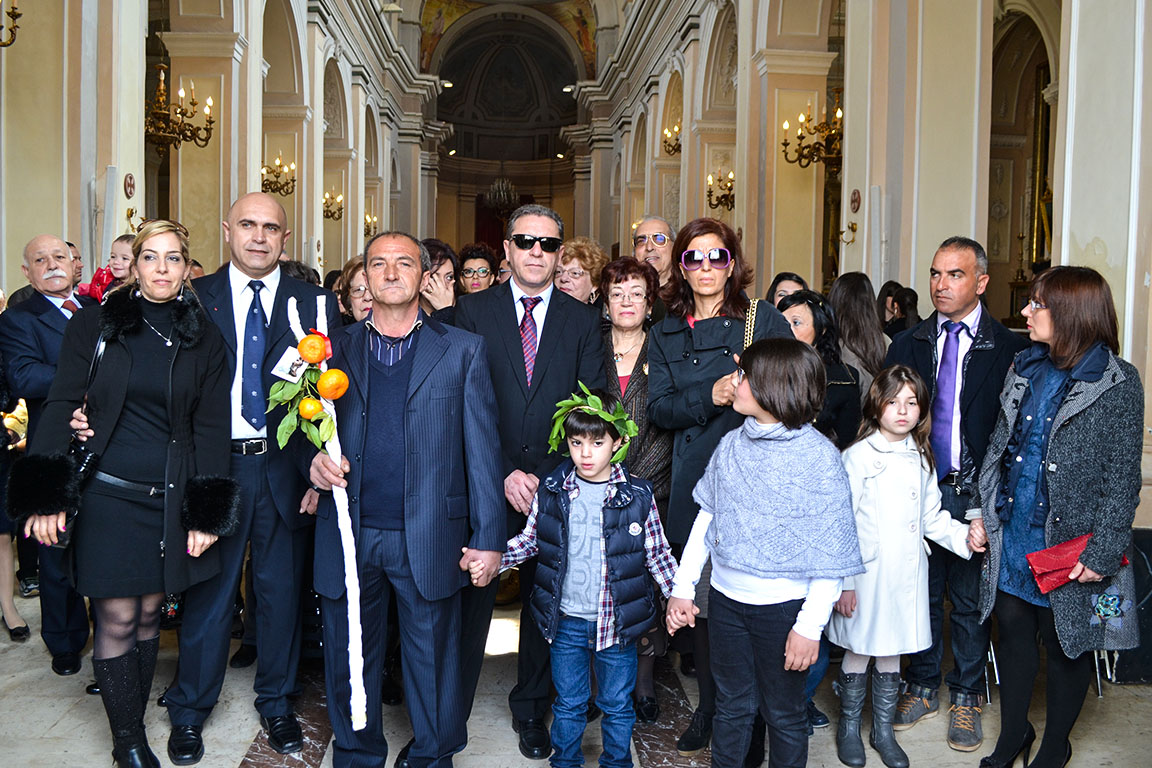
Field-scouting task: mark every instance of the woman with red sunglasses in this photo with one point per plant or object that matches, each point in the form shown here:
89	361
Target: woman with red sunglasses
692	383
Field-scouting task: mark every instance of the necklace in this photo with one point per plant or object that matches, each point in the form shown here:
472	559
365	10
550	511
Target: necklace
618	356
167	339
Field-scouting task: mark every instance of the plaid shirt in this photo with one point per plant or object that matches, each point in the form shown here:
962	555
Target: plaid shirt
657	555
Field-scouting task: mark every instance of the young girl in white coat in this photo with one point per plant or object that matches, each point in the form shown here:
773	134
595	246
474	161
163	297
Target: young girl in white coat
883	612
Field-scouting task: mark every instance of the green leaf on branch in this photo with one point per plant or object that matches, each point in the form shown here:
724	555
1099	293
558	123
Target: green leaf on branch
287	427
327	428
312	433
312	374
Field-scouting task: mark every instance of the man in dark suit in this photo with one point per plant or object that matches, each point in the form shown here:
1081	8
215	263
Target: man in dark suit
248	302
423	482
30	336
963	354
540	343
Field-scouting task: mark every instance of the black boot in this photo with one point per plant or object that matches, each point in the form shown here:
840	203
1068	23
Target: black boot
885	692
755	756
119	681
148	649
852	688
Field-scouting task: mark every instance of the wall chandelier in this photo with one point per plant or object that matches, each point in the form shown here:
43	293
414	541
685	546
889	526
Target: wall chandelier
725	195
166	125
824	149
13	15
370	225
672	140
333	206
271	181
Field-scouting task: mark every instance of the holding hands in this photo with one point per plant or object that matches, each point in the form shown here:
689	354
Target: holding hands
681	613
977	538
482	565
846	605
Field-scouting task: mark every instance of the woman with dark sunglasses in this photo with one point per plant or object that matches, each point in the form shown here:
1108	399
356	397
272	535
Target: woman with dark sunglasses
692	383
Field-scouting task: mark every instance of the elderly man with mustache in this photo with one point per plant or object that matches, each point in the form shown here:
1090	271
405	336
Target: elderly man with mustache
30	336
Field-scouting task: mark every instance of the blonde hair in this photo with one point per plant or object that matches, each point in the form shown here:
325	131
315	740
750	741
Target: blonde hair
589	254
150	229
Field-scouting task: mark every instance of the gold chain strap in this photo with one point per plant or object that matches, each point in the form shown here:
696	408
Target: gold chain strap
750	322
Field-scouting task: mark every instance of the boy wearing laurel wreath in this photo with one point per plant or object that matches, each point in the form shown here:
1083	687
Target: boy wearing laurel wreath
597	537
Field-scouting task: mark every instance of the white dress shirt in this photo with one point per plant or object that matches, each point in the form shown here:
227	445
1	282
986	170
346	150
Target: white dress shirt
539	312
966	337
59	302
241	302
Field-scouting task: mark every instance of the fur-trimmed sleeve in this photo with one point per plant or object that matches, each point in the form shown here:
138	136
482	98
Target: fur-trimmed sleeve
42	485
211	505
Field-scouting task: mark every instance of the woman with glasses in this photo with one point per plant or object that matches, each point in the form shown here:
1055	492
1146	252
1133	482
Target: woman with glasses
578	272
478	268
354	291
691	388
156	398
1062	463
628	287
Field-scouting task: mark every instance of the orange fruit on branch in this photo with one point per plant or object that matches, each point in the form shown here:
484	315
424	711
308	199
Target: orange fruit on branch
312	348
333	383
310	408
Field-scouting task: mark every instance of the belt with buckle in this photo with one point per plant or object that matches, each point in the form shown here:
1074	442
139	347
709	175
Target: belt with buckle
128	485
952	479
254	447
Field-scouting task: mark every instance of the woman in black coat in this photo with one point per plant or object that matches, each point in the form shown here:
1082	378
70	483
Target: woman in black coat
812	322
691	386
1063	462
159	421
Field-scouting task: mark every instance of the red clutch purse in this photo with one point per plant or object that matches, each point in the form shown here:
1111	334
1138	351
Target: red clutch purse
1050	567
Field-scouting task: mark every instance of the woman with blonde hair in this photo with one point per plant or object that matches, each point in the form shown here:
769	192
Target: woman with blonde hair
151	372
578	272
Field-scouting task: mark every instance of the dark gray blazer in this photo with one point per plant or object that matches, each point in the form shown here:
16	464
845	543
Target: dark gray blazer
1093	473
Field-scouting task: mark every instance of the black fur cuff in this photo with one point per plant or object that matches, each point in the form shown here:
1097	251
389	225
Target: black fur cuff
211	505
42	485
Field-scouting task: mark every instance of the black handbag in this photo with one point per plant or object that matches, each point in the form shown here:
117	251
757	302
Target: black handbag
84	460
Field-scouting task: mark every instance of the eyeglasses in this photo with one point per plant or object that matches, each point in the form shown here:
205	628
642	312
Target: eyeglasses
478	272
547	244
636	297
574	274
719	258
1034	305
657	239
358	291
503	271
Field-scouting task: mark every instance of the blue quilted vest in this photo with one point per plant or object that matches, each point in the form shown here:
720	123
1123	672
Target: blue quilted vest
633	593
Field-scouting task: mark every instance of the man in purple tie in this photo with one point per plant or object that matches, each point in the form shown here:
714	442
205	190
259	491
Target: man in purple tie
963	354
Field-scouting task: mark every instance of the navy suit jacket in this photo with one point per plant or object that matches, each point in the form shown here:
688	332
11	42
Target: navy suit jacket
30	336
453	490
570	349
215	293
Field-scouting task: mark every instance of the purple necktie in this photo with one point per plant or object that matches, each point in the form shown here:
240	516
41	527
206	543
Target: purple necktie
945	400
528	335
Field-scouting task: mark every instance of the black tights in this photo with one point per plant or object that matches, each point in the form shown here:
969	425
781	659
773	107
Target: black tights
123	621
1067	680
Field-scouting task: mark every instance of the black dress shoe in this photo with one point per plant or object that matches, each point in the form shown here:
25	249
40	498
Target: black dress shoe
17	634
647	710
245	656
92	689
185	745
534	741
135	756
66	664
402	755
284	734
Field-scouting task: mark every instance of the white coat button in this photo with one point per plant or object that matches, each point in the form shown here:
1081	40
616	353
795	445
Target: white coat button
913	494
912	527
879	463
1019	458
1052	467
1028	418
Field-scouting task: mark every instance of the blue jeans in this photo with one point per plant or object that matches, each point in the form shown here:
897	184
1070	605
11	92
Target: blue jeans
969	637
748	665
574	645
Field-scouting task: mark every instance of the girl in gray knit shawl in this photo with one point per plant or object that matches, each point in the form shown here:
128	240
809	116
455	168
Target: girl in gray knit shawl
776	520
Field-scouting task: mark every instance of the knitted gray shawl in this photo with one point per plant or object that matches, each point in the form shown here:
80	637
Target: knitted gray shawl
781	504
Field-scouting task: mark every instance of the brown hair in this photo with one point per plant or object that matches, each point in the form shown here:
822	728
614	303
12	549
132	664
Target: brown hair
1083	314
678	293
589	254
885	387
627	268
787	379
854	303
350	269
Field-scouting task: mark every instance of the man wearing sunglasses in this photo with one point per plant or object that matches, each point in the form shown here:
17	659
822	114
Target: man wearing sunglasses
541	342
652	242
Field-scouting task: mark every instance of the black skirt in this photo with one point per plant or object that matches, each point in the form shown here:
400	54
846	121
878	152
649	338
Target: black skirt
117	542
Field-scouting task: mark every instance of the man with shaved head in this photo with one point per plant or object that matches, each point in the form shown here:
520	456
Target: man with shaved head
30	336
248	302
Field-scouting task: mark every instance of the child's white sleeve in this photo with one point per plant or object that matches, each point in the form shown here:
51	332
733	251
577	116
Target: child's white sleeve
693	559
822	595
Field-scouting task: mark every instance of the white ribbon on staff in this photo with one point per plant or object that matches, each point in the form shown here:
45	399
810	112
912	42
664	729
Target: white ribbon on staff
358	701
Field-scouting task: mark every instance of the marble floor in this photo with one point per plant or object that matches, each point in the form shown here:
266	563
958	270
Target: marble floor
46	720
